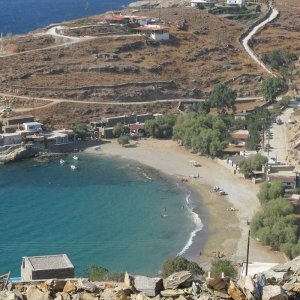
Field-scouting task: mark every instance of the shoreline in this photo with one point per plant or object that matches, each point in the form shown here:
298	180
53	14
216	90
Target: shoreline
224	232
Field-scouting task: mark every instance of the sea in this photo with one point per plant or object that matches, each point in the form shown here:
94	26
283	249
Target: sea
109	212
22	16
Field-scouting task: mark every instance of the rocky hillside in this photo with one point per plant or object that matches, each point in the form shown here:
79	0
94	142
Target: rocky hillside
282	282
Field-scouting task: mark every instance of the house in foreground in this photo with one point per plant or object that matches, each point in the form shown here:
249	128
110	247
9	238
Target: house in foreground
47	267
154	31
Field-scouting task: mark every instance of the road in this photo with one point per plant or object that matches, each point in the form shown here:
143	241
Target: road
245	41
280	138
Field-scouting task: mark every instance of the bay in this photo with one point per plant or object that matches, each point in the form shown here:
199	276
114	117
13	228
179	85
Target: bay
22	16
112	213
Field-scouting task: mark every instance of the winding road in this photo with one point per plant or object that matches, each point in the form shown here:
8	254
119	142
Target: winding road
54	31
245	42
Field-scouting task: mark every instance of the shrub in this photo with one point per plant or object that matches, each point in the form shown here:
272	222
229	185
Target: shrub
178	264
98	273
123	140
200	6
225	266
270	190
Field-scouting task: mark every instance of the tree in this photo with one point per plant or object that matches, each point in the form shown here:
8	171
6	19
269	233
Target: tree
225	266
94	272
252	163
98	273
123	140
161	127
118	129
272	87
81	131
178	264
270	190
222	98
200	6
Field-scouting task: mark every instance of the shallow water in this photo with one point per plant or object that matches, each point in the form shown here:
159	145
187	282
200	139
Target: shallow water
108	212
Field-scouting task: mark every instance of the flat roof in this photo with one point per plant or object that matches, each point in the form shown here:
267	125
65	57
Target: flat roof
153	28
32	123
49	262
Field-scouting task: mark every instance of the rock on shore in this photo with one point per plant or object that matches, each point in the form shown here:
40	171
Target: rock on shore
280	283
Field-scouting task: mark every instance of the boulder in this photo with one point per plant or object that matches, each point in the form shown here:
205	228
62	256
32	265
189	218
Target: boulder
292	287
62	296
129	280
221	294
56	285
250	288
8	295
149	286
87	285
235	293
122	295
88	296
176	279
273	292
33	293
217	283
172	293
69	287
141	296
260	282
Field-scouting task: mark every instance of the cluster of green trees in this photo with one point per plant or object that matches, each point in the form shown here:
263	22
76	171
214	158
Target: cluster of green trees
81	131
275	224
161	127
222	98
273	87
280	60
207	135
252	163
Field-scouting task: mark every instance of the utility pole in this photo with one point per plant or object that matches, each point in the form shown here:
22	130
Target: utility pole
247	258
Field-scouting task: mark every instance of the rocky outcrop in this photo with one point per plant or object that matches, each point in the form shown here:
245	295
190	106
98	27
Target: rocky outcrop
180	286
16	153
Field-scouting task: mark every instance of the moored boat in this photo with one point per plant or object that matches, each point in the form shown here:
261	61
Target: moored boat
62	161
75	157
73	167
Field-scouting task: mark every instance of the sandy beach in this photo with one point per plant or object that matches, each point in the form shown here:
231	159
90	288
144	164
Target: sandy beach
224	231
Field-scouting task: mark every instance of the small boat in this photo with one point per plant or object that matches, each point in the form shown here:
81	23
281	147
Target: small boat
75	157
73	167
62	161
97	147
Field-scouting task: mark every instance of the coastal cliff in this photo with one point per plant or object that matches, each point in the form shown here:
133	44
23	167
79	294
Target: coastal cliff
279	283
159	3
15	153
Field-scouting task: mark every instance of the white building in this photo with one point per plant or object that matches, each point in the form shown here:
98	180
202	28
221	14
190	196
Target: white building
33	127
204	2
236	2
155	32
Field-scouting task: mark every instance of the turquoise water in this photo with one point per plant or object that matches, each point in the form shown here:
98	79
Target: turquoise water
108	212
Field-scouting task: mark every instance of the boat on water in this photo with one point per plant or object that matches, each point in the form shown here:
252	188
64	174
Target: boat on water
73	167
62	161
75	157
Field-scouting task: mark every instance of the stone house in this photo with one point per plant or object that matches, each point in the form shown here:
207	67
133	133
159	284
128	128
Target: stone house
7	139
47	267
